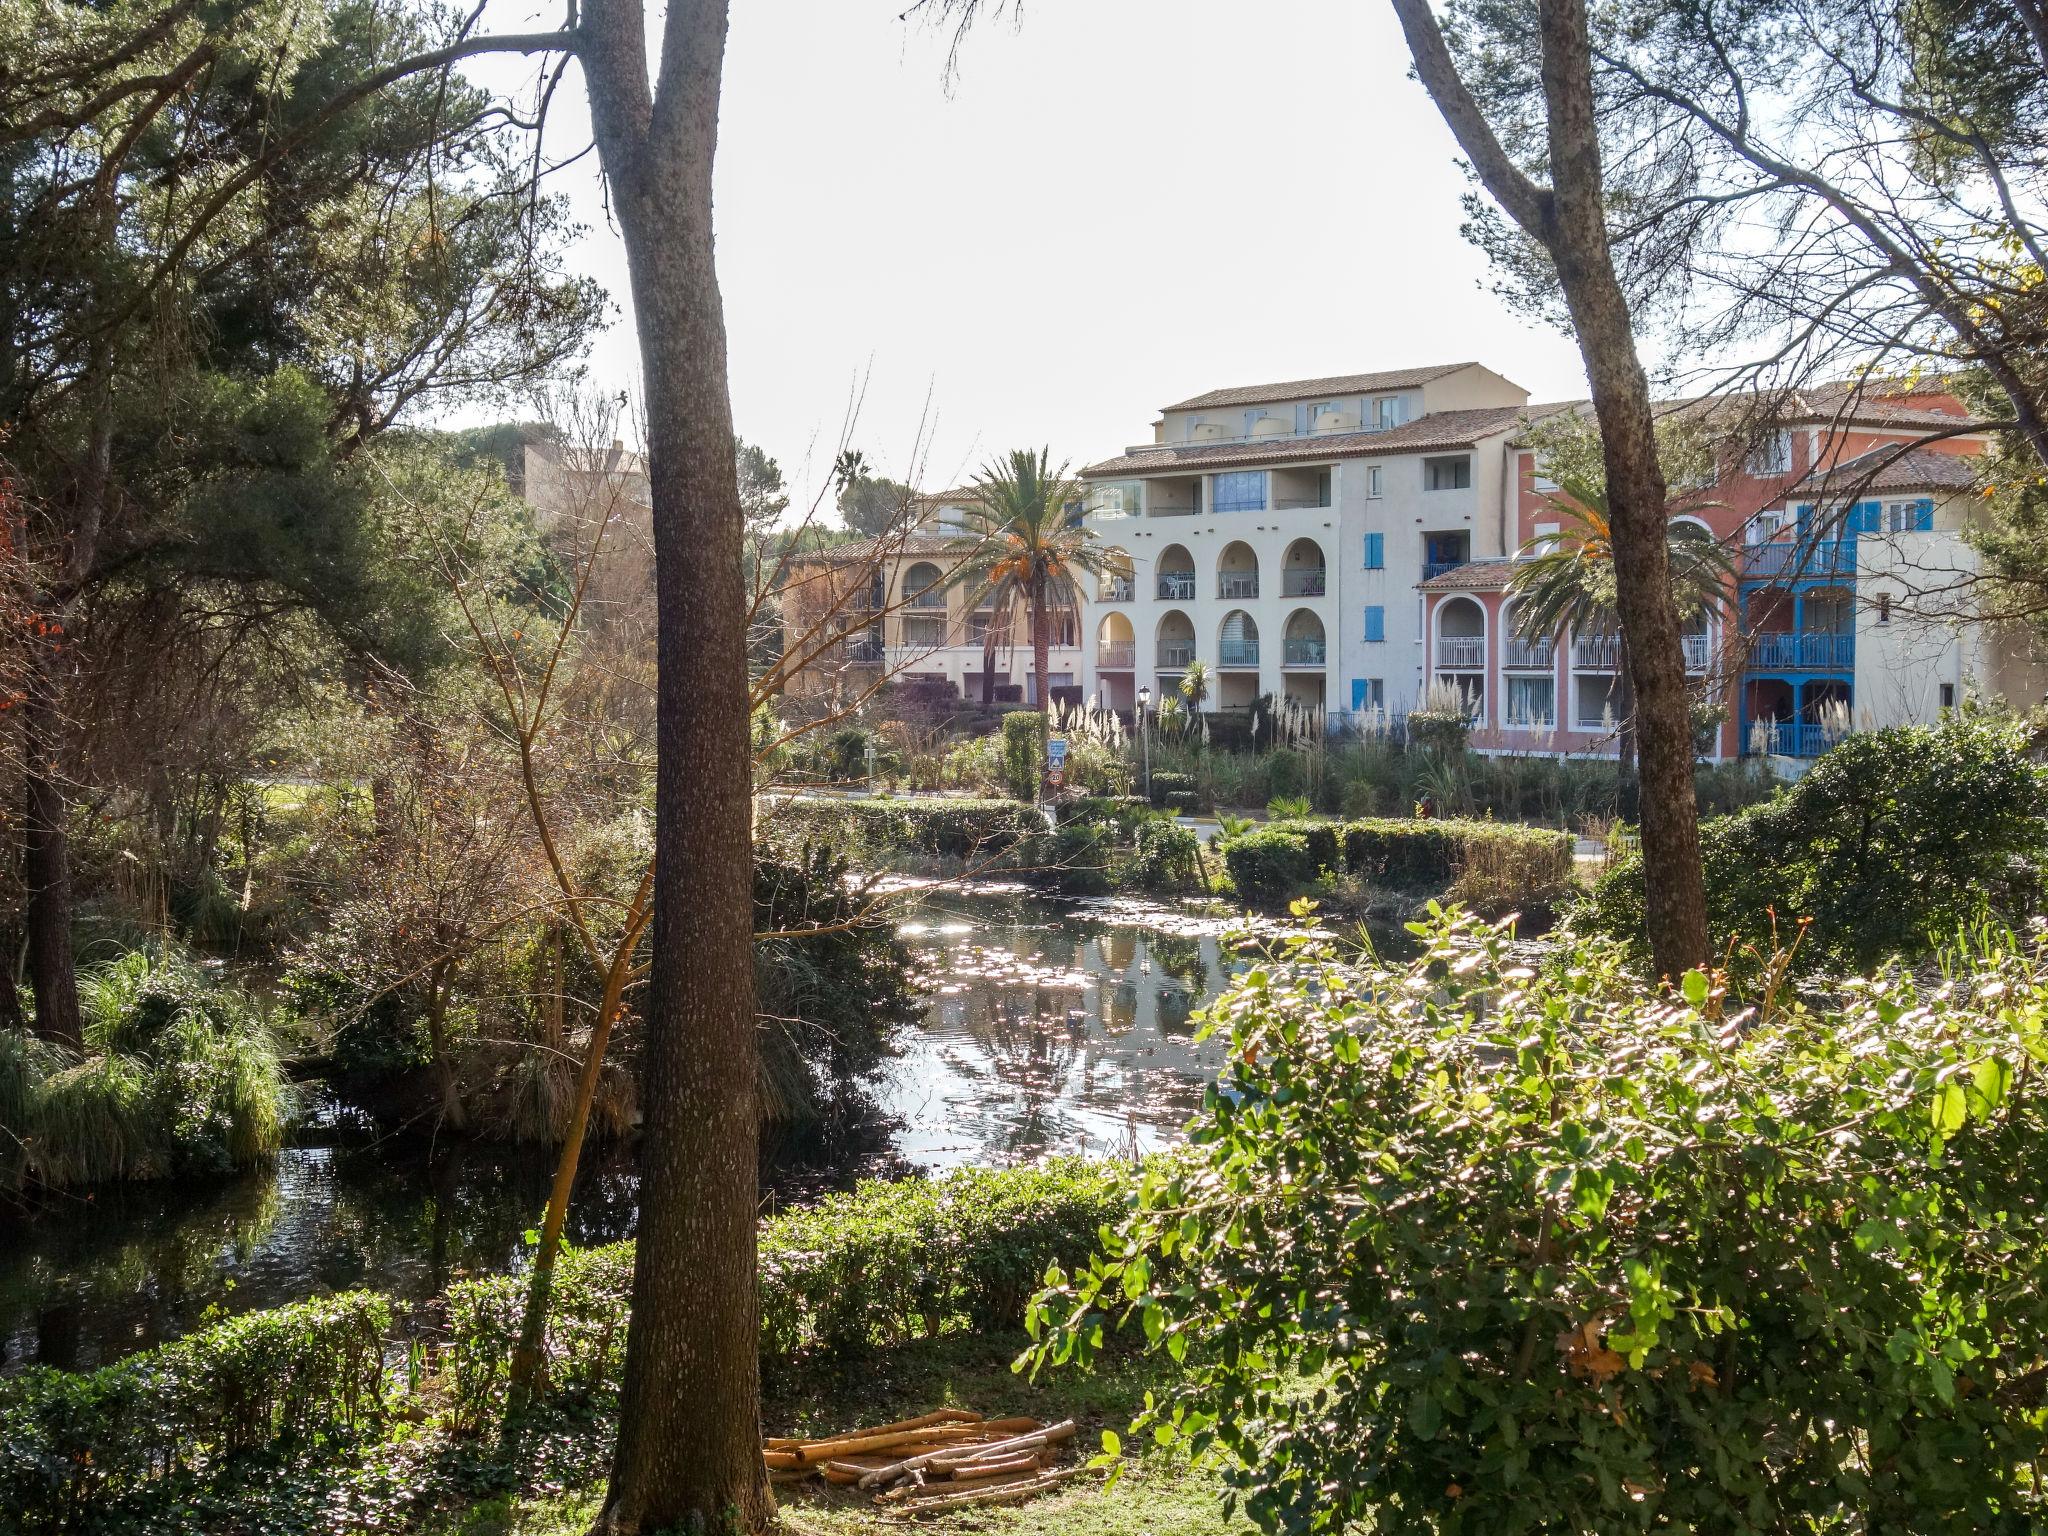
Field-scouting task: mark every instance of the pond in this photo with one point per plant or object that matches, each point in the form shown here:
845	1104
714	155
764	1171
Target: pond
1050	1028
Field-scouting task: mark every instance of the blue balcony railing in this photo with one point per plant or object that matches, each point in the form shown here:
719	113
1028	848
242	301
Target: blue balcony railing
1789	738
1243	653
1802	651
1306	653
1431	569
1798	559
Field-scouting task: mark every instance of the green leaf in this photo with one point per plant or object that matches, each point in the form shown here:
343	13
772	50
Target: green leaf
1112	1443
1694	985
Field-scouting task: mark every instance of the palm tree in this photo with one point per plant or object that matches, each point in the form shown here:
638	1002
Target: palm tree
1023	539
1570	583
1194	687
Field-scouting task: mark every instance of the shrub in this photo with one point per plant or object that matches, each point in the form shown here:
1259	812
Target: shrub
1502	864
1183	802
1077	857
181	1078
1890	843
1479	1249
1023	755
879	829
1166	856
1166	785
75	1444
1124	812
883	1264
1270	865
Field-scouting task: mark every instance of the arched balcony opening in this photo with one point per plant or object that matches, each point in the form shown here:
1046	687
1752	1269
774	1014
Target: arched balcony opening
1303	571
1460	636
1305	645
1237	643
1176	573
1237	572
1116	643
1115	584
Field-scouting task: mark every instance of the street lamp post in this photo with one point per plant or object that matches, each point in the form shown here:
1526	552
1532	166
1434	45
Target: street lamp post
1145	736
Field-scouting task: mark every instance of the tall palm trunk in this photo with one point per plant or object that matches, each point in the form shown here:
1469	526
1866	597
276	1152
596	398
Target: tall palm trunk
689	1446
1041	658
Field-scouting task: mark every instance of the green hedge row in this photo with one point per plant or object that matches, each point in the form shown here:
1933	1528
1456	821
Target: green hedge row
880	828
71	1444
884	1264
1284	858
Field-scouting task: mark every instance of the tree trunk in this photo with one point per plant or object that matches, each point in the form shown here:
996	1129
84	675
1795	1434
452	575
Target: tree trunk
46	857
988	666
689	1448
1041	659
1569	221
1675	898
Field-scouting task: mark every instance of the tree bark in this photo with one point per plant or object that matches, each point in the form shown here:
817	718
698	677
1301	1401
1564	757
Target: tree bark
1041	658
1569	220
46	855
689	1448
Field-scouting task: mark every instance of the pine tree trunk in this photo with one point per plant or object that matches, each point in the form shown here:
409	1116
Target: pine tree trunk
46	857
689	1448
1675	904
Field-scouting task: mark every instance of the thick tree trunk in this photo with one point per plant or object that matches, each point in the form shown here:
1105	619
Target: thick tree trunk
1569	220
46	857
689	1448
1675	898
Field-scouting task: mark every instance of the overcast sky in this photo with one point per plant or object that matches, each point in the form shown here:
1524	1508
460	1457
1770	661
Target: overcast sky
1115	205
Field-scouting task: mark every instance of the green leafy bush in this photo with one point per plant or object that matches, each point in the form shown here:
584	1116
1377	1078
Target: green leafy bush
1124	812
1023	754
1890	843
180	1078
73	1446
1271	864
1166	785
1166	856
875	831
1474	1248
886	1263
1504	862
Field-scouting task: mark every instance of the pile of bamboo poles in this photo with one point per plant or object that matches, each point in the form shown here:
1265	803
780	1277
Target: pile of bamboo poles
937	1461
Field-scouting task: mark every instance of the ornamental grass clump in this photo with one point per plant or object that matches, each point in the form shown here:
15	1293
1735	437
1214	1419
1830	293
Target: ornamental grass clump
1477	1246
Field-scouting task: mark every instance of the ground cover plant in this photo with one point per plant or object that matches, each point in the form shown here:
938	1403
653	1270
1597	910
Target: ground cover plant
1486	1246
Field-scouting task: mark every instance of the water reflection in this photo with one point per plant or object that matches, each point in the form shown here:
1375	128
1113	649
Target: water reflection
1053	1031
1049	1029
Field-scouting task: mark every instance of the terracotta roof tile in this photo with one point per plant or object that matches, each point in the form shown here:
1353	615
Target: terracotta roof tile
1889	469
1301	389
1439	429
1472	576
891	546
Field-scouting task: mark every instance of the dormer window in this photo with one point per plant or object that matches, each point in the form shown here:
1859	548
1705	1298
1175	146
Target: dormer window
1771	456
1386	413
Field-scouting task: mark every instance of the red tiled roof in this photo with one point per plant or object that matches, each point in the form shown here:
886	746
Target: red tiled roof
1439	429
889	546
1472	576
1301	389
1890	469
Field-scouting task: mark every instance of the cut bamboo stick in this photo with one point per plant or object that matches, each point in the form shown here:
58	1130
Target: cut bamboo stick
782	1461
981	1472
931	1435
1051	1434
936	1416
1011	1493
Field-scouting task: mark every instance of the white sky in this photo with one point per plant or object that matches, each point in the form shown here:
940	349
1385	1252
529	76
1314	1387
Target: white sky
1119	204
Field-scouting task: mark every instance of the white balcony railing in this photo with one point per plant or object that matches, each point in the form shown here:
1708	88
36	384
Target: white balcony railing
1531	655
1117	589
1176	586
1597	653
1461	653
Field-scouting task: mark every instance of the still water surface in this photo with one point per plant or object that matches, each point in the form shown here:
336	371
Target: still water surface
1049	1028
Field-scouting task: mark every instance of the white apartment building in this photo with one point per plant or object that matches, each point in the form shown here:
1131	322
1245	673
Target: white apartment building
1277	532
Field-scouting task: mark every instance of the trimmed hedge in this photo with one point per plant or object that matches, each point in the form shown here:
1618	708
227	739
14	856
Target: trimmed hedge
931	828
1501	863
1165	786
884	1264
72	1444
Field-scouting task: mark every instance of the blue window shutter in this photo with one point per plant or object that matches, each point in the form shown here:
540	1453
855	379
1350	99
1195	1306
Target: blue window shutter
1358	693
1375	623
1375	551
1804	514
1923	515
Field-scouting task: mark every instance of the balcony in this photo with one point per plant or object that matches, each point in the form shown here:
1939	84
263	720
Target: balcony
1802	651
1176	587
1153	509
1238	655
1117	658
1175	655
1306	653
1431	569
1529	655
1596	723
1304	583
1597	653
1789	738
931	597
1117	590
1299	503
1699	651
1799	559
1461	653
1230	584
864	650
